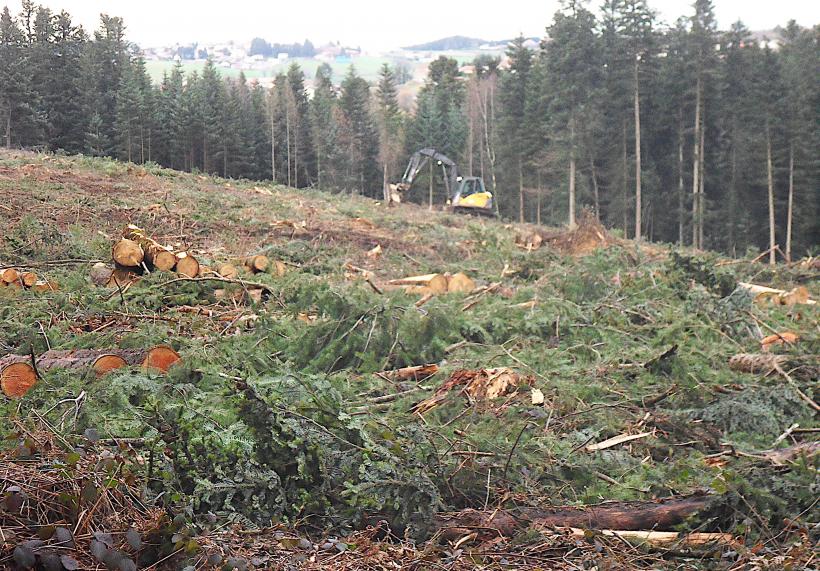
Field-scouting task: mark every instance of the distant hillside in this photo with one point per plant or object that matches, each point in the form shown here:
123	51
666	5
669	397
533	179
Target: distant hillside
451	43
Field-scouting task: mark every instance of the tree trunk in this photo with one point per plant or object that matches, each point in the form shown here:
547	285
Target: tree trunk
8	128
625	189
770	179
432	176
520	191
635	515
572	172
272	145
638	213
733	195
702	180
287	136
385	189
681	200
595	192
790	211
696	169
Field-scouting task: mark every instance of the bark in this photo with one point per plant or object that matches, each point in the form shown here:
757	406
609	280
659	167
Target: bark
770	180
8	128
638	213
790	210
639	515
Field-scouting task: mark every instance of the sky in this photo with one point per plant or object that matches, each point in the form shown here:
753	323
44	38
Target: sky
374	24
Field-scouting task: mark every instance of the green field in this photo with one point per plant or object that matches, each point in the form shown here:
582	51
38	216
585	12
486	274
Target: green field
366	66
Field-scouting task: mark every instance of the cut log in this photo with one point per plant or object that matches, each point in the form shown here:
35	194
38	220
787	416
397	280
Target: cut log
279	268
187	265
28	278
10	275
256	264
416	373
763	295
16	379
128	253
157	256
660	538
661	515
227	271
805	368
460	283
435	283
42	286
15	368
160	358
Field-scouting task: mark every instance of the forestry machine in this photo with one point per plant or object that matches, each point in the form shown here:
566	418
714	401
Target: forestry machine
464	194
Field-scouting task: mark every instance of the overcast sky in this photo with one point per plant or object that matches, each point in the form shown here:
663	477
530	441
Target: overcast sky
374	24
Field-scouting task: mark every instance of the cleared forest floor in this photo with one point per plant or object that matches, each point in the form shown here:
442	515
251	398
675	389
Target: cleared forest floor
581	380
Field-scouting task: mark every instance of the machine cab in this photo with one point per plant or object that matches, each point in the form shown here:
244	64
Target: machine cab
470	185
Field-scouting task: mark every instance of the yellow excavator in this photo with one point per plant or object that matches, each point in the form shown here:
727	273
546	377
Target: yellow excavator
464	194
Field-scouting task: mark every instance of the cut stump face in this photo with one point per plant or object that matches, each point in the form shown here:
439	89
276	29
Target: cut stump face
17	379
160	358
107	363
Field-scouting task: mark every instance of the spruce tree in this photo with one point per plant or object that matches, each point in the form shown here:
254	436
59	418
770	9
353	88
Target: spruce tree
324	127
390	124
355	106
18	125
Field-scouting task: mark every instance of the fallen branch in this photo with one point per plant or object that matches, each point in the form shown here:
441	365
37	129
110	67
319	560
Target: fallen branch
243	283
660	538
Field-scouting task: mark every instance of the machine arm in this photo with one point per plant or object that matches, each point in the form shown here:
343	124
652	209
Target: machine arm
420	159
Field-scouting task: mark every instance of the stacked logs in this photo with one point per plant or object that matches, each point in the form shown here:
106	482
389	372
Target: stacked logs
18	373
136	252
15	277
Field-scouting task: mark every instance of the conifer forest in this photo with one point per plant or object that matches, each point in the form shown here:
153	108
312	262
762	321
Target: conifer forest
579	331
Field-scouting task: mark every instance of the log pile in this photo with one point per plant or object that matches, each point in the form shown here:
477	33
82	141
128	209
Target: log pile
18	373
23	279
136	253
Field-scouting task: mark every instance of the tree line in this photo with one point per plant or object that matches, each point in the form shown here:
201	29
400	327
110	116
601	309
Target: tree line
679	133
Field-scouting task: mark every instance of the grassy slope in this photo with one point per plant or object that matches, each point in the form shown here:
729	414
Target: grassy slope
595	316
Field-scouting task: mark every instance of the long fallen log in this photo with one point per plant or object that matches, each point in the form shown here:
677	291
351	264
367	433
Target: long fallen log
802	367
429	283
660	515
764	294
17	375
157	256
